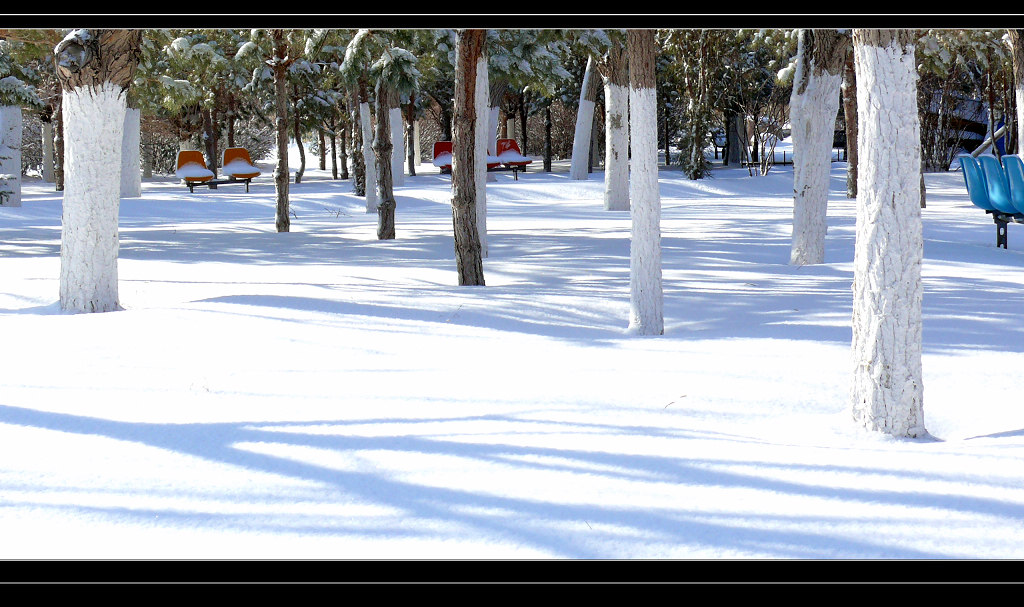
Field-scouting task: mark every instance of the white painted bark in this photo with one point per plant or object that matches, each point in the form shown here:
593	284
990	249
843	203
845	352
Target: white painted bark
369	161
93	120
47	144
10	155
131	145
483	144
646	315
398	155
616	149
416	142
887	393
492	146
812	116
584	124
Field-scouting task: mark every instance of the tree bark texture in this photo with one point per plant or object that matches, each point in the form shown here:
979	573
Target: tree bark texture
95	69
358	161
383	152
887	394
282	220
369	162
410	138
297	133
397	142
813	108
10	155
616	149
58	146
547	139
484	144
645	286
468	255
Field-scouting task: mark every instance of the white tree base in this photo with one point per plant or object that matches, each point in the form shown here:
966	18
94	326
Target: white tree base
93	120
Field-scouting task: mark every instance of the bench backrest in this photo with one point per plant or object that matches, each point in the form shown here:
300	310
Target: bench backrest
998	187
235	153
1013	166
441	147
505	145
977	189
187	156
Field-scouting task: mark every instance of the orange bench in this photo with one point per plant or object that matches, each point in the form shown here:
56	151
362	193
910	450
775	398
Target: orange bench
236	165
443	157
511	157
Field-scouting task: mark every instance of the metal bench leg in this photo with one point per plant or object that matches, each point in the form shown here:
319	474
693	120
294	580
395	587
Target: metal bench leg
1000	232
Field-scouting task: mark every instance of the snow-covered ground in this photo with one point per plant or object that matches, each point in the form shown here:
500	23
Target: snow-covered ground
323	394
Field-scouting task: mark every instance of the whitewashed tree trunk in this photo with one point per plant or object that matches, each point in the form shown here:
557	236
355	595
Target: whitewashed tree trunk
491	136
584	124
93	120
398	146
813	108
368	159
47	144
483	143
10	155
131	175
416	141
887	393
646	297
616	149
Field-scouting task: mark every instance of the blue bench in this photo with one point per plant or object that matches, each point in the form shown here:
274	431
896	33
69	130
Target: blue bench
996	188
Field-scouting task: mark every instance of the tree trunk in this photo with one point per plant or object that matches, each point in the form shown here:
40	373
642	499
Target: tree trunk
584	124
397	142
10	155
131	142
343	152
210	142
813	108
297	133
95	68
369	162
522	122
383	152
323	148
58	145
47	151
334	149
849	89
410	137
646	297
887	393
547	139
484	138
358	160
465	152
282	221
616	149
